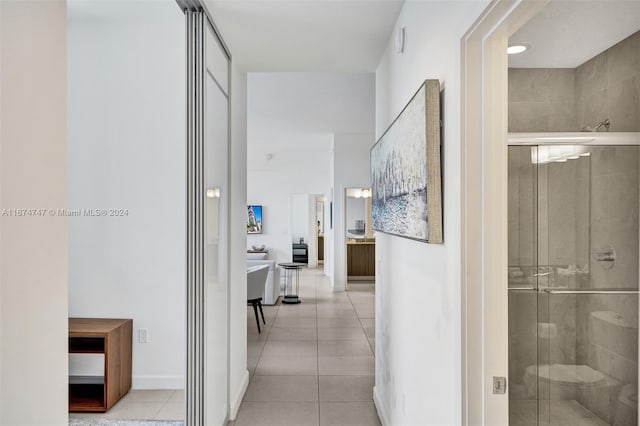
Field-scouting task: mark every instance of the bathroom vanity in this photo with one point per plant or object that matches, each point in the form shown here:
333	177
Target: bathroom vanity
361	260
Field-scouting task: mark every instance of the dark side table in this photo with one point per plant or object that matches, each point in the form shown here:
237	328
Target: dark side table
291	270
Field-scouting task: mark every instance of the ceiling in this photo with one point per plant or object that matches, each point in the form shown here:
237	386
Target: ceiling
319	103
565	34
306	35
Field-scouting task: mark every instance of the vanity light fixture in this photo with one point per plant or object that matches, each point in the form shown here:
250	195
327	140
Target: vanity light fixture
359	192
516	48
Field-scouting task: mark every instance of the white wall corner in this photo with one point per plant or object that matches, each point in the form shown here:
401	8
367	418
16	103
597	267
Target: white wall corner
238	375
382	413
237	399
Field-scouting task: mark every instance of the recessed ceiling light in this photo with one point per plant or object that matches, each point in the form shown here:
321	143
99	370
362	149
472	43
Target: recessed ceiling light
515	49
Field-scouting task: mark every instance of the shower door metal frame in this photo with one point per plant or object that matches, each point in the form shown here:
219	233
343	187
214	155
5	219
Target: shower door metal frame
197	19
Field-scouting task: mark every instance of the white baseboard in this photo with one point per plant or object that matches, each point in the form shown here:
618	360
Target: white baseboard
157	382
237	399
384	417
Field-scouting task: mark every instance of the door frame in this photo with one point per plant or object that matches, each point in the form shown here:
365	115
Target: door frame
484	109
198	19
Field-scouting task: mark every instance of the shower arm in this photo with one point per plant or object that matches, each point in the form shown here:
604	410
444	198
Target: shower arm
606	123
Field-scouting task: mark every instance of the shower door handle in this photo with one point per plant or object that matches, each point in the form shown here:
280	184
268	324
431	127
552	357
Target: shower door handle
611	291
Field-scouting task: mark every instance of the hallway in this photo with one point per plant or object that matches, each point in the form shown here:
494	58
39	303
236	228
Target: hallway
313	363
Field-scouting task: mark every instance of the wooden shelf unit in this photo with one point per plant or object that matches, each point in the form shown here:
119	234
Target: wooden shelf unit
111	337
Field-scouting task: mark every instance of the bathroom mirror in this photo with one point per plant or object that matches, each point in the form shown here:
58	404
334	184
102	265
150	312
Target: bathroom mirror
358	214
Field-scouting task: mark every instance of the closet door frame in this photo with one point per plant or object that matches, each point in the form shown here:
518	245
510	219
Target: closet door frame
197	20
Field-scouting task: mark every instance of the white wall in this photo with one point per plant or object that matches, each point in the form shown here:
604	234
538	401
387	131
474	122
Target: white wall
350	170
127	151
238	374
299	167
299	217
33	174
418	376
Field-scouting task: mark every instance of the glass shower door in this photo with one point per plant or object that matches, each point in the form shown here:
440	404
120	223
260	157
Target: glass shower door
563	254
591	334
523	280
573	285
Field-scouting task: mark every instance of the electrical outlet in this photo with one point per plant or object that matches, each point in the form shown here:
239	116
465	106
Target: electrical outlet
143	335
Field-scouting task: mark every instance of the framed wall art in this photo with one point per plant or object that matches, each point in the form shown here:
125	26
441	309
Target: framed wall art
406	171
254	219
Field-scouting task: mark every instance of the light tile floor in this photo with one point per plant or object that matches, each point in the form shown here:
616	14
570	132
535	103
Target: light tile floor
143	405
313	363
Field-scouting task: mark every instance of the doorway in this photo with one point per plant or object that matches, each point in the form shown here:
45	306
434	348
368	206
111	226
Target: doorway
485	214
359	240
320	226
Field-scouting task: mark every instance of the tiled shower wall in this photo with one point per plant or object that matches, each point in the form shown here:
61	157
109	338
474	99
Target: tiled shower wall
611	346
542	100
608	86
568	99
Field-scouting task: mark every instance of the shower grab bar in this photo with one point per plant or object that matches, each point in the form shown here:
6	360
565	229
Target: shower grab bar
577	291
591	291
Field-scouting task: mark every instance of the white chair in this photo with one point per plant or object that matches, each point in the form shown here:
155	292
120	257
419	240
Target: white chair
256	279
272	286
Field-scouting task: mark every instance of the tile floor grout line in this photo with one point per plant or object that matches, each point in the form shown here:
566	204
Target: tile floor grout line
163	405
262	348
362	325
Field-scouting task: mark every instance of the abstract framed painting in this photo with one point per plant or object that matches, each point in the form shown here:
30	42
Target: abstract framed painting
406	171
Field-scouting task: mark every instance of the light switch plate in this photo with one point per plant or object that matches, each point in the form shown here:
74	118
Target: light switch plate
499	385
